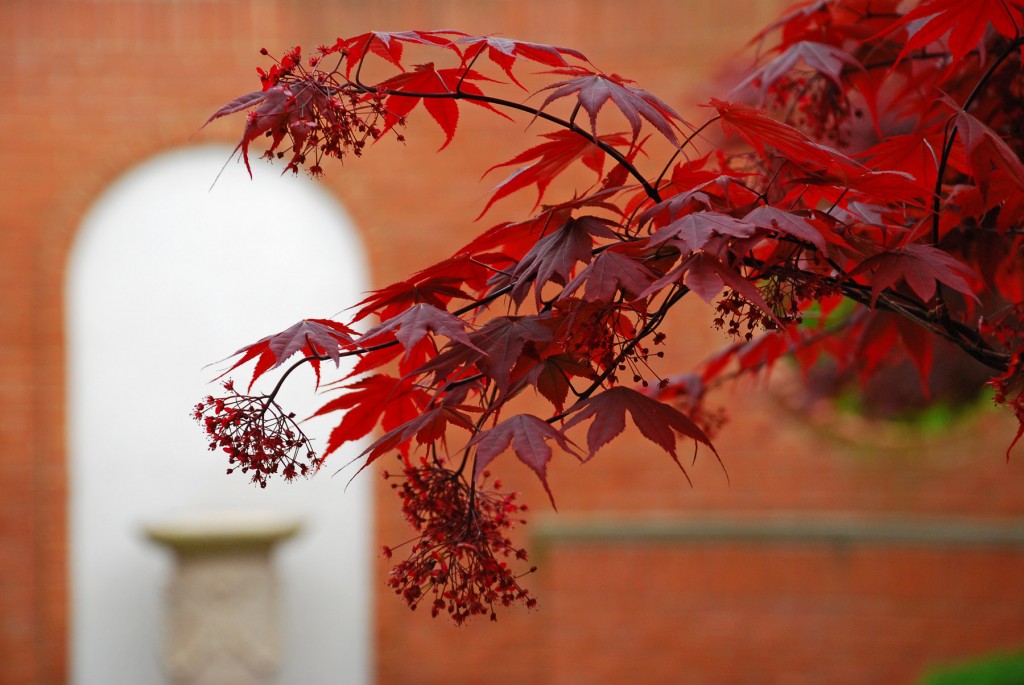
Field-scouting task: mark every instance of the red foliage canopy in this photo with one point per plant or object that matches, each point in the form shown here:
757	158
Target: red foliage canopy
873	157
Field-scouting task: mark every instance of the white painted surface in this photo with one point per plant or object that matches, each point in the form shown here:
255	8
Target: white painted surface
167	276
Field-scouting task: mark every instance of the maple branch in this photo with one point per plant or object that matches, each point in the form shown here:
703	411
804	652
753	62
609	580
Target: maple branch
476	429
569	125
964	337
682	146
280	382
539	114
947	147
323	357
652	324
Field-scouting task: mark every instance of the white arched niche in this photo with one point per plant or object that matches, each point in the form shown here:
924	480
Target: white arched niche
166	276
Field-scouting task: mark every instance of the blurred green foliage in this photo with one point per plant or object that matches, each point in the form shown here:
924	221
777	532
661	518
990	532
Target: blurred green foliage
996	669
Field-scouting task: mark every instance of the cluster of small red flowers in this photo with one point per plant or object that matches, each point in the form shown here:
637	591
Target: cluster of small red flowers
598	333
739	317
460	559
257	435
324	115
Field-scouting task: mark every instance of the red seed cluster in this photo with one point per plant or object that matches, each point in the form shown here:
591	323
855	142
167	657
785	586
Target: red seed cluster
257	435
321	113
460	560
739	317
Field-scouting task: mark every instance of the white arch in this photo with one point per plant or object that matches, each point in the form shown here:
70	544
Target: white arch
166	276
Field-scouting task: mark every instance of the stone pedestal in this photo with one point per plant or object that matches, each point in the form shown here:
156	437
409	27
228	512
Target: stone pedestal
222	622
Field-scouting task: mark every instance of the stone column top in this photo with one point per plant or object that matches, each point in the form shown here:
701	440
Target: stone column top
238	528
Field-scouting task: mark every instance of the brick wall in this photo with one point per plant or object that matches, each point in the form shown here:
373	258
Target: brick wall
92	88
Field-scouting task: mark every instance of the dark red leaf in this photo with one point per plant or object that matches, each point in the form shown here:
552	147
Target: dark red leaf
528	436
693	231
312	337
759	130
787	223
593	90
417	321
388	46
516	238
275	109
502	340
985	150
551	159
494	351
658	422
612	272
505	51
551	377
827	60
438	90
240	103
367	401
965	23
427	427
555	256
919	266
917	155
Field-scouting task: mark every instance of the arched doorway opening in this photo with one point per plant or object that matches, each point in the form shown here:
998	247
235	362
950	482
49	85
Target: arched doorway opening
166	276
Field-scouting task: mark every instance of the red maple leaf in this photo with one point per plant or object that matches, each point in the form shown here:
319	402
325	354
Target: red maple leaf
427	427
494	350
275	109
915	154
827	60
787	223
551	159
593	90
437	89
657	421
241	103
554	257
964	22
528	436
502	339
759	129
387	45
611	272
313	337
985	150
505	52
550	375
391	401
435	285
417	321
515	238
706	275
693	231
919	266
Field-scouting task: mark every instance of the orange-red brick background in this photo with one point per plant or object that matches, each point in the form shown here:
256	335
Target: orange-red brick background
836	552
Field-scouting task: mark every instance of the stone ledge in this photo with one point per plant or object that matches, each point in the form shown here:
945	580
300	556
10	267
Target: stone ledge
774	529
204	530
